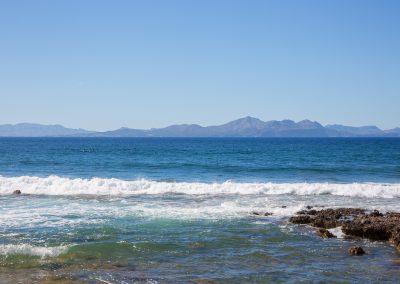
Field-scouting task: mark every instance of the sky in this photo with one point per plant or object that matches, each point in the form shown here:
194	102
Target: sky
101	65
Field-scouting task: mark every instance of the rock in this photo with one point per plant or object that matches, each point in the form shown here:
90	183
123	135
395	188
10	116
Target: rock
17	191
261	214
356	251
375	213
309	207
283	206
354	222
301	219
324	233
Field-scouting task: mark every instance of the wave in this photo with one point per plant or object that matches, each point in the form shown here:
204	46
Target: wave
55	185
27	249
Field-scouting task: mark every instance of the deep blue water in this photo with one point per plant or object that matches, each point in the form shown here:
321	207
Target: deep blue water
182	159
158	210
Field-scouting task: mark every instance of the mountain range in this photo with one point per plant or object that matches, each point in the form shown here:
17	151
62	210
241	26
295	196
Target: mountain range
243	127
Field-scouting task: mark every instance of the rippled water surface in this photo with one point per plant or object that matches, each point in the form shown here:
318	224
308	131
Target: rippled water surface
180	210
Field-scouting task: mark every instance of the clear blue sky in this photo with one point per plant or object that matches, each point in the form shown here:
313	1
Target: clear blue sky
105	64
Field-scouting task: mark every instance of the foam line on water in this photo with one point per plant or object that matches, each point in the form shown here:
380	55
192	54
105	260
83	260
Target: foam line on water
27	249
54	185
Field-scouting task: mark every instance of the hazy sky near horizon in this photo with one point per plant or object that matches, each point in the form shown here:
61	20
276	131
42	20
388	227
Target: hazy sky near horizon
105	64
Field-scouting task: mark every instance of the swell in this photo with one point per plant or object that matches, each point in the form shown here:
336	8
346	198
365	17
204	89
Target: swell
55	185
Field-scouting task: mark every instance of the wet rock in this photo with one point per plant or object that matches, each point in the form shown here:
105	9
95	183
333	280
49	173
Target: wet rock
324	233
283	206
301	219
354	222
309	207
261	214
356	251
17	191
378	228
375	213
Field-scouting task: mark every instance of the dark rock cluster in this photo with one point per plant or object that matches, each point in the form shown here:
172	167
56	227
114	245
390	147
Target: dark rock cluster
354	222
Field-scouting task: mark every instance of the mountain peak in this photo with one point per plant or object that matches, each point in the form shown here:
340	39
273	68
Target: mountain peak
243	127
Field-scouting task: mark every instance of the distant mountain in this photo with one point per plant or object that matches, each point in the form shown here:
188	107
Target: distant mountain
38	130
358	131
243	127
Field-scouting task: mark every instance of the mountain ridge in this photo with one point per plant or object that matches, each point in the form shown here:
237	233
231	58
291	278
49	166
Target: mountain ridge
243	127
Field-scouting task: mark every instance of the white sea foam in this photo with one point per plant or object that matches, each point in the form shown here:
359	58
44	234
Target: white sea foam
54	185
337	232
27	249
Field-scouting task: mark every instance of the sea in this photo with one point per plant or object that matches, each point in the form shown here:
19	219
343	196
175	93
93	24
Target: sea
180	210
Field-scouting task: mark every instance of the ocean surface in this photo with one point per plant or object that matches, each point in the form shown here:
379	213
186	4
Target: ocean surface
164	210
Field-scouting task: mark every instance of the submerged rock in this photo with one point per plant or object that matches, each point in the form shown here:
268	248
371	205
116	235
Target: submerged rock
261	214
356	251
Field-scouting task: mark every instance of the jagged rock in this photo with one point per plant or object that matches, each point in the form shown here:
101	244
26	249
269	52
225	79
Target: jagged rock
17	191
380	228
301	219
356	251
354	222
375	213
324	233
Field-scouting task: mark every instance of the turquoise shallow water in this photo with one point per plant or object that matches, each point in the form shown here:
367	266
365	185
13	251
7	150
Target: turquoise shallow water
179	210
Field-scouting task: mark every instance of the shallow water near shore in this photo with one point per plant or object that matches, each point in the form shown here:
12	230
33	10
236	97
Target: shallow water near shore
180	210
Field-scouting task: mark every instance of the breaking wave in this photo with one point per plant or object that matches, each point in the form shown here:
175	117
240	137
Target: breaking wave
55	185
27	249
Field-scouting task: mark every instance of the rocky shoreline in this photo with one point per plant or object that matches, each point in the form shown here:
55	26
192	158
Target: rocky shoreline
354	223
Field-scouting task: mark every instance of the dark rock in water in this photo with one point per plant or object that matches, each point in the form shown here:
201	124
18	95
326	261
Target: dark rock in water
17	191
283	206
379	228
326	218
375	213
309	207
261	214
307	212
324	233
354	222
301	219
356	251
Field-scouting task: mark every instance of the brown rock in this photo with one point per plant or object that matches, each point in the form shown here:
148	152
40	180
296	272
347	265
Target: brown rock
301	219
354	222
356	251
324	233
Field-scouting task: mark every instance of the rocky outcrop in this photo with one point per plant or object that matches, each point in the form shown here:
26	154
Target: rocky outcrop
356	251
354	222
326	218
